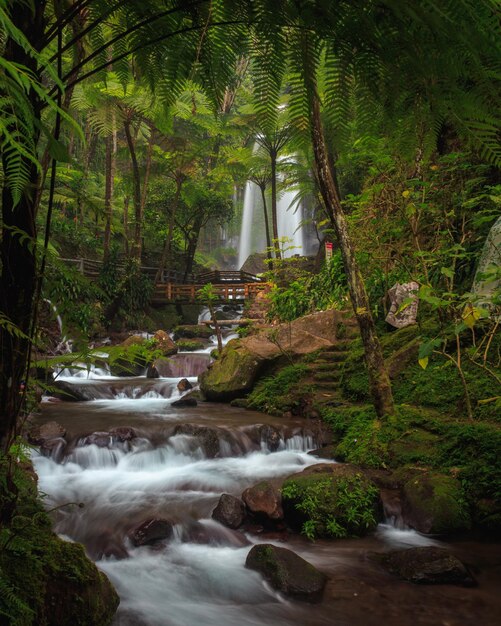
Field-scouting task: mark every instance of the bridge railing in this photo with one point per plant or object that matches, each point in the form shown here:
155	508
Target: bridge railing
225	292
92	268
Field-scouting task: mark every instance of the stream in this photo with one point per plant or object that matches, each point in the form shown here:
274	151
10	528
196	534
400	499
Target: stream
197	576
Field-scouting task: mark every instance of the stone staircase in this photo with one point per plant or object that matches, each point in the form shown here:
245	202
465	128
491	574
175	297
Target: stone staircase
327	369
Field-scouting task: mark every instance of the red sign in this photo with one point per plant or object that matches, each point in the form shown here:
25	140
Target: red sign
328	251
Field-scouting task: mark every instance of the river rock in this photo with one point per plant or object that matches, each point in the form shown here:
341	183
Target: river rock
68	392
287	572
264	500
184	403
37	435
152	371
193	331
184	385
164	343
230	511
123	433
270	436
427	565
208	438
243	361
434	503
151	531
397	317
101	439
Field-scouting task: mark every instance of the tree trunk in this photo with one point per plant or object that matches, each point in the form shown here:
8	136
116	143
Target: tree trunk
274	217
18	254
192	246
135	251
379	380
266	226
111	142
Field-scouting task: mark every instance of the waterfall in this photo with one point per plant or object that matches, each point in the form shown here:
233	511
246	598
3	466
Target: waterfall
289	216
252	237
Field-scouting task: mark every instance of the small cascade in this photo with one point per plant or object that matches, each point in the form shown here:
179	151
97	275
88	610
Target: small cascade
252	232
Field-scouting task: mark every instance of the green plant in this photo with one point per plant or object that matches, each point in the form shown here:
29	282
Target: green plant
333	506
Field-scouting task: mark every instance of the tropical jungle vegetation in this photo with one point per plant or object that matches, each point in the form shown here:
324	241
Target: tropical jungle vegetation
128	131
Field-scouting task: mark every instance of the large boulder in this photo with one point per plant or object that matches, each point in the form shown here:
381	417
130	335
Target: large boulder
230	511
331	500
427	565
434	503
264	501
287	572
129	357
243	361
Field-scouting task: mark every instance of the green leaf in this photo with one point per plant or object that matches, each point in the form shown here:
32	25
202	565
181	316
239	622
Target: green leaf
58	150
423	362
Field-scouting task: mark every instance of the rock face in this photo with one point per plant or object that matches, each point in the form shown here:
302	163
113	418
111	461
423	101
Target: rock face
264	501
152	371
427	565
230	511
242	361
434	503
151	531
270	436
68	392
484	287
397	295
287	572
331	500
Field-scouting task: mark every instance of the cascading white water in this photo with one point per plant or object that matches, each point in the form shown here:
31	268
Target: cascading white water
289	216
250	239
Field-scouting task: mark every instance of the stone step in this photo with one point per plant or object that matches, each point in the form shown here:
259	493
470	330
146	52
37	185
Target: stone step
331	358
326	366
329	376
322	385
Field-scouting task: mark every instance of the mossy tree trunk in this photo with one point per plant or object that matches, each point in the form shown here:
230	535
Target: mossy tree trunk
379	380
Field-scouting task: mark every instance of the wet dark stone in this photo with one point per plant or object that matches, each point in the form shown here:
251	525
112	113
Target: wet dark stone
99	439
123	433
151	531
184	402
53	448
208	437
271	437
68	392
287	572
152	371
230	511
428	565
184	385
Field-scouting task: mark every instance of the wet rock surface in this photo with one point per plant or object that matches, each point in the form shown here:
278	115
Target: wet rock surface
151	531
264	501
230	511
184	385
184	403
38	435
427	565
287	572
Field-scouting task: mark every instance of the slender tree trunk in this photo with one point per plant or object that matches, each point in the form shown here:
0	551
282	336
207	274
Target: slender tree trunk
266	225
192	246
126	226
135	251
274	217
379	380
111	142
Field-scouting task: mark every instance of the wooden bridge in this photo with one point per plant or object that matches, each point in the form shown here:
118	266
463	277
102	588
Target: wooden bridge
230	286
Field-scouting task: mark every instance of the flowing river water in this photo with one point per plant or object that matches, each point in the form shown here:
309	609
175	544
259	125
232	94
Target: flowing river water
197	577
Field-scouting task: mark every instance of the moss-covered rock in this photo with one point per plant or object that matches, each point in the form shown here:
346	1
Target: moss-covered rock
190	345
44	580
192	331
331	501
434	503
232	375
